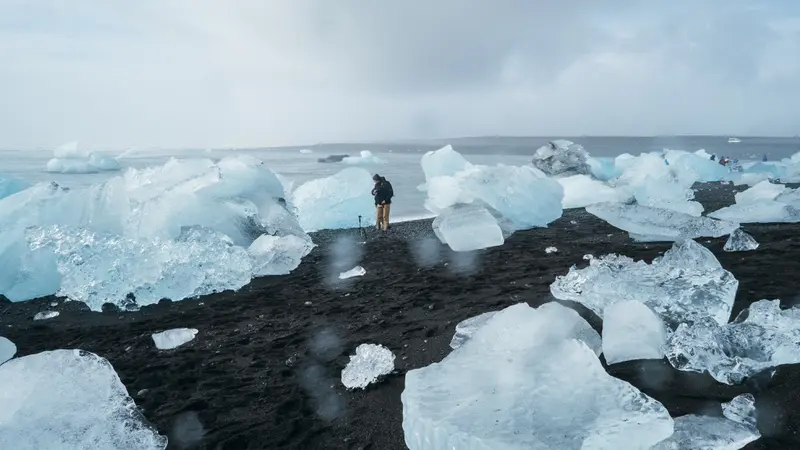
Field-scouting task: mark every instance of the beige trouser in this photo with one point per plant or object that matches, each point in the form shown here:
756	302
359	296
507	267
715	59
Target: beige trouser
382	216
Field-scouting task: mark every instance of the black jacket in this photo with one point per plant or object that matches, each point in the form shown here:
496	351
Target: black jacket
383	192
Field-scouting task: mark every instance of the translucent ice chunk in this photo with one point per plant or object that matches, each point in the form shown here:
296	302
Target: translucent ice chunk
336	201
762	337
655	224
687	284
44	315
278	255
357	271
443	162
761	191
523	195
582	190
632	331
174	338
466	328
731	432
562	158
739	241
7	350
10	185
370	362
70	150
665	194
524	382
765	211
70	400
467	227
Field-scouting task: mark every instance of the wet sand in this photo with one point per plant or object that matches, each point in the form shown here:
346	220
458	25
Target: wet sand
264	370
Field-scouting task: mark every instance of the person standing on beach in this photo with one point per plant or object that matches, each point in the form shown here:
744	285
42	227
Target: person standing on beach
383	194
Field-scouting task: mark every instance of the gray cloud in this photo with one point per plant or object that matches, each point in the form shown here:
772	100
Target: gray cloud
251	72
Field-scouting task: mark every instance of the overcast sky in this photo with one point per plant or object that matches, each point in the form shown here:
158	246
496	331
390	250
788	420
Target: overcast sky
202	73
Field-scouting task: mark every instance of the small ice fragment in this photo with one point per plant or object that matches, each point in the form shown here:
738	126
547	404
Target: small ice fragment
734	431
763	337
739	241
632	331
356	271
370	362
306	151
549	250
70	400
588	257
53	304
308	303
7	349
44	315
466	328
174	338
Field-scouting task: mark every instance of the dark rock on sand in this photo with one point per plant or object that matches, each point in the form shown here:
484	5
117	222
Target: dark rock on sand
264	370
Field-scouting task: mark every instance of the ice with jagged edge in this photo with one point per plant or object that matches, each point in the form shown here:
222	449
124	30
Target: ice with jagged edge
174	338
525	380
365	158
466	328
739	241
686	284
733	431
645	224
10	185
69	400
667	195
7	349
467	227
523	195
370	362
761	337
562	158
765	202
70	159
188	227
582	190
632	331
336	201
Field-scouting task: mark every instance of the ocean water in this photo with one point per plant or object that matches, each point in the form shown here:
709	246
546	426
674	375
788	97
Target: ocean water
402	160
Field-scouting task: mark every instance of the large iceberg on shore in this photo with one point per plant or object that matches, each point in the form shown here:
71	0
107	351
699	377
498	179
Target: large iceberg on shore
467	227
582	190
183	229
761	338
632	331
763	203
7	349
525	380
523	195
562	158
335	202
644	223
10	185
70	400
687	284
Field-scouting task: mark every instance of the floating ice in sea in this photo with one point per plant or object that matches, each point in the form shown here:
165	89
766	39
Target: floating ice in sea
336	201
739	241
356	271
687	284
69	159
370	362
526	380
734	431
654	224
523	195
762	337
582	190
70	400
632	331
141	226
44	315
7	349
466	227
562	158
306	151
466	328
174	338
366	158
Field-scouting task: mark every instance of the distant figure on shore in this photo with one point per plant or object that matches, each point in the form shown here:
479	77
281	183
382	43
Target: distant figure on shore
713	157
764	158
383	194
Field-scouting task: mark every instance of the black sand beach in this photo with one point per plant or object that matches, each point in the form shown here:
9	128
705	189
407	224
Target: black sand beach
264	370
